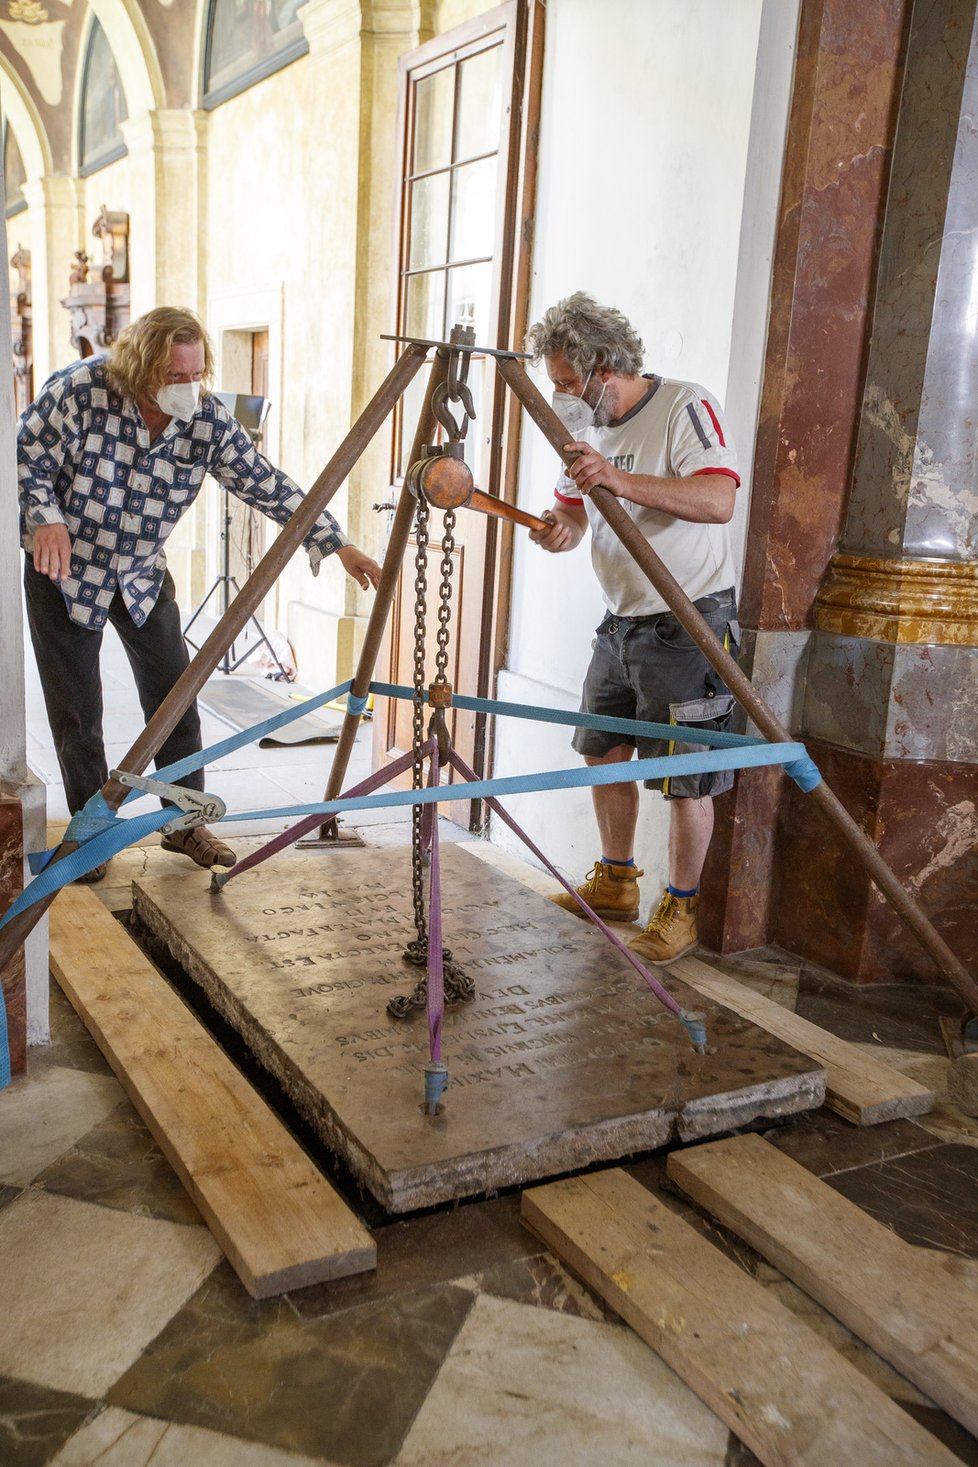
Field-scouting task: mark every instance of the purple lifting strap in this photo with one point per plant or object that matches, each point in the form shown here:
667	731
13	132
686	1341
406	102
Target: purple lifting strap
656	987
436	970
296	832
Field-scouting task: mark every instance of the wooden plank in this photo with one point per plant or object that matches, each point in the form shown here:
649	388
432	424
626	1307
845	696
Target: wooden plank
910	1304
859	1087
784	1390
276	1217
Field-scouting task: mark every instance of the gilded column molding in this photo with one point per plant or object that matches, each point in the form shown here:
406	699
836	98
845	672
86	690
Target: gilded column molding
932	602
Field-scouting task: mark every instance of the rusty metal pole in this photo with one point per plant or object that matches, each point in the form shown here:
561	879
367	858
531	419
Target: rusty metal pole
262	578
384	598
743	690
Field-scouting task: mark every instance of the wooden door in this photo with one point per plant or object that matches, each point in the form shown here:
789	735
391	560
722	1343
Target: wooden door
462	259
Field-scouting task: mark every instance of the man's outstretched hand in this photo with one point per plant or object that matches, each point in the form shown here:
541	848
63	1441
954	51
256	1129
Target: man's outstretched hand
358	564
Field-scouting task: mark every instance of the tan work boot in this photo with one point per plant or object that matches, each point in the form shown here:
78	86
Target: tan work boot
671	932
610	890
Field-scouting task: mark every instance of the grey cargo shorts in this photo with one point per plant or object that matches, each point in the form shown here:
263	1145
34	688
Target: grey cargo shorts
649	668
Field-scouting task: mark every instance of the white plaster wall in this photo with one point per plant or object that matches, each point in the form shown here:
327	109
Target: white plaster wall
644	153
282	179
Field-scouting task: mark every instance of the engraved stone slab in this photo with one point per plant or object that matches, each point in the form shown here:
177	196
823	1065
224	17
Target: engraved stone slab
564	1057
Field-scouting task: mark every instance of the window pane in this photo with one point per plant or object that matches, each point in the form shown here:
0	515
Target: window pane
480	95
434	99
104	101
424	313
429	221
469	298
424	317
474	210
476	447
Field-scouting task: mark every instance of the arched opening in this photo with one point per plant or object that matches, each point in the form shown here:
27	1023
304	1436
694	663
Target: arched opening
245	42
103	106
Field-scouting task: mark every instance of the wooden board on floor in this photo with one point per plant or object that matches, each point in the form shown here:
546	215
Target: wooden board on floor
859	1087
898	1298
785	1391
278	1220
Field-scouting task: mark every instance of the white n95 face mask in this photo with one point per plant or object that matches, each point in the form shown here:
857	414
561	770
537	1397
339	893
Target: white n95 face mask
179	399
573	412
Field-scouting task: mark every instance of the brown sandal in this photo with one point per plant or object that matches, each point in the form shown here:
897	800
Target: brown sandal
200	846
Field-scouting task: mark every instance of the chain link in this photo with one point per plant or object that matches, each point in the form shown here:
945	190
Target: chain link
459	987
445	597
417	724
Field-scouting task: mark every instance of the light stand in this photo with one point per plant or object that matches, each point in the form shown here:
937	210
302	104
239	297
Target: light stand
251	413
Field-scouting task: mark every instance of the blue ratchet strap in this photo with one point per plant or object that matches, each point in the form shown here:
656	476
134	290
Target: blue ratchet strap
356	705
754	757
4	1045
113	838
96	818
802	769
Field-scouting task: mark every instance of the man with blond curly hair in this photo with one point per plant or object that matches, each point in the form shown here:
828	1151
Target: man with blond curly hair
111	455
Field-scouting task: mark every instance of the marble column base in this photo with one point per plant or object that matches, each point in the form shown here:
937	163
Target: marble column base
923	817
737	886
11	885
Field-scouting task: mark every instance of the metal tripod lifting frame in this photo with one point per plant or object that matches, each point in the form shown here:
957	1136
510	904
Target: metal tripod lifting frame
265	574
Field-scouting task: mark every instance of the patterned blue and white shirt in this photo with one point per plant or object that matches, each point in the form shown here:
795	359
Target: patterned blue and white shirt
85	460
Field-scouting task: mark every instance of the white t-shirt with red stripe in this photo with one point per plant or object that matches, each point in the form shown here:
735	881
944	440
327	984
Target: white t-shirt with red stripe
676	431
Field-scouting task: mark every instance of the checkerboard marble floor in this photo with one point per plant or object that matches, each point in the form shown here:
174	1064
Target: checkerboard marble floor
126	1340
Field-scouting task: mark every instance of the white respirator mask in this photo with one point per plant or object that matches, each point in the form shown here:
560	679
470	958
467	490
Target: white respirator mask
573	412
576	414
179	399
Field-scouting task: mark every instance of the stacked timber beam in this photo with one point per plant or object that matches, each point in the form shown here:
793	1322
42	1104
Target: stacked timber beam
275	1216
785	1391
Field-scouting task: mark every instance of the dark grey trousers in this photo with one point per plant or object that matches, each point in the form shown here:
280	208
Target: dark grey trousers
68	662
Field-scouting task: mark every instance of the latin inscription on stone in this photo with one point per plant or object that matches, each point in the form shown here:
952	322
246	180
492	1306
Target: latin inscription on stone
563	1058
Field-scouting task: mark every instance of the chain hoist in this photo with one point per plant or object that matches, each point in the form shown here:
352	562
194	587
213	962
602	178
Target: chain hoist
441	477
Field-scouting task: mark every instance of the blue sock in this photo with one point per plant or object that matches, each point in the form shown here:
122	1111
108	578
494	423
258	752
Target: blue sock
629	862
674	891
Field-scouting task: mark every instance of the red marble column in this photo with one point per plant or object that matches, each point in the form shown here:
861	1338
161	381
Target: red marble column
840	138
11	885
920	814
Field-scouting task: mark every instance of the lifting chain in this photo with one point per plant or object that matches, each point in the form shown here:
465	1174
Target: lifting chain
459	987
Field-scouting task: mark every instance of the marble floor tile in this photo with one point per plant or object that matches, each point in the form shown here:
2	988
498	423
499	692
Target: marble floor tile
119	1439
435	1248
34	1421
118	1164
101	1284
345	1387
902	1015
825	1143
71	1047
542	1281
928	1198
42	1116
523	1385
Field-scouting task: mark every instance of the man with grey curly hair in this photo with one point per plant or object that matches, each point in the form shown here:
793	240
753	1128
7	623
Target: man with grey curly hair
661	448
